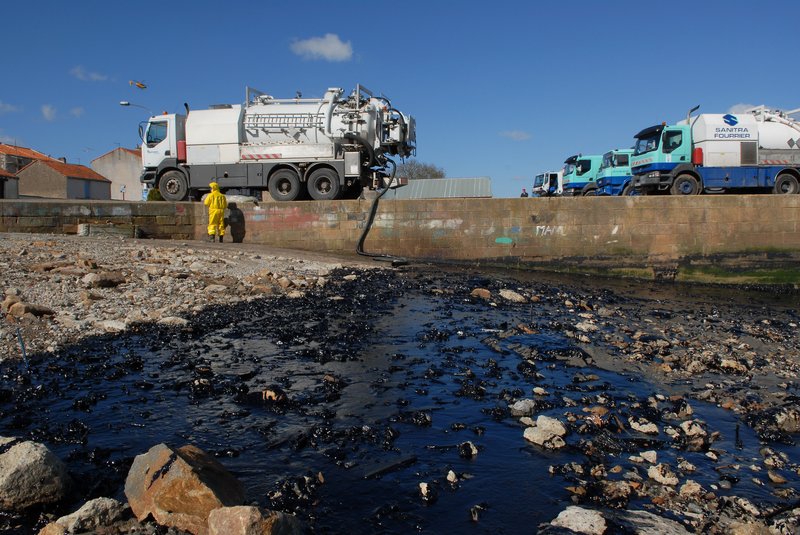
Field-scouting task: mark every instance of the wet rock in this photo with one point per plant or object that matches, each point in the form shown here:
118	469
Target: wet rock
661	473
514	297
581	520
467	450
645	523
649	456
788	420
481	293
776	478
586	327
93	515
20	309
30	474
547	433
251	520
693	428
643	425
523	407
690	489
427	492
615	493
180	488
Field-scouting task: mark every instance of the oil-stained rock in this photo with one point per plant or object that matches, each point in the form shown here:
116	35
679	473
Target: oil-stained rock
180	487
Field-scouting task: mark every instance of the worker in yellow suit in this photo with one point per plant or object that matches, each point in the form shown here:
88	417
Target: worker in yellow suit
217	203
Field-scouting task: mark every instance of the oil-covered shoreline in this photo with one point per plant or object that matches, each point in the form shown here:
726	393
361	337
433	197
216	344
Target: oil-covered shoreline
432	400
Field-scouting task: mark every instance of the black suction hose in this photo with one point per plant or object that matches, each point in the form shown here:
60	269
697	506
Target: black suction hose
395	260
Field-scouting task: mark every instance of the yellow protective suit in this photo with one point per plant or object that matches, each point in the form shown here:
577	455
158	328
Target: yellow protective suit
217	203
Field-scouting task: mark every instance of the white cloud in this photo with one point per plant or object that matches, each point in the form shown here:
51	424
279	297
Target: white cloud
7	139
329	47
77	111
82	74
48	112
7	108
515	135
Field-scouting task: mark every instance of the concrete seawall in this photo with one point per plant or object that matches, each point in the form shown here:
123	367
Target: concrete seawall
644	236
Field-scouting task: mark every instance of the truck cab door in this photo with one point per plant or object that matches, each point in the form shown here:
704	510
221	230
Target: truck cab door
676	145
159	141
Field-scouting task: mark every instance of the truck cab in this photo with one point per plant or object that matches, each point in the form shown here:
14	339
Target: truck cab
614	176
547	184
662	153
161	137
580	173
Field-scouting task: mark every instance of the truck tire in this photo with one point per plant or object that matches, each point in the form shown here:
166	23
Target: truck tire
685	184
323	184
589	190
786	184
173	186
628	190
284	185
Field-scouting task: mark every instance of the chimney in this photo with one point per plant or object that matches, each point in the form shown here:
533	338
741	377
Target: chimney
63	159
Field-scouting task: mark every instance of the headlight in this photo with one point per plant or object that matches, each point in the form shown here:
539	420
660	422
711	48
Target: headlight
654	174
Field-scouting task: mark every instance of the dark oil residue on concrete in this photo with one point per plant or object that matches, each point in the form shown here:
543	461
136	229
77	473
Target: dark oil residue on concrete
389	381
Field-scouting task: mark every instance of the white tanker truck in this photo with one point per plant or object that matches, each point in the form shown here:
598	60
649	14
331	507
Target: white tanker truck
757	150
325	148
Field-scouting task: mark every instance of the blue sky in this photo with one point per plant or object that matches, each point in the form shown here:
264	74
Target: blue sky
499	89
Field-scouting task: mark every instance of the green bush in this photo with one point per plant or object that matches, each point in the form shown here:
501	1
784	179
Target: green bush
154	195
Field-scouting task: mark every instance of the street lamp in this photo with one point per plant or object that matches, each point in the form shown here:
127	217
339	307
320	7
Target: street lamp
126	103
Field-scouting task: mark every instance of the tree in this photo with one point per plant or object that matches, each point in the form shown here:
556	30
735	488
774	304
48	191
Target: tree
412	169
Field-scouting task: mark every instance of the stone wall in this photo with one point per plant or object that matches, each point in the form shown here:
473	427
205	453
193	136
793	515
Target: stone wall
600	233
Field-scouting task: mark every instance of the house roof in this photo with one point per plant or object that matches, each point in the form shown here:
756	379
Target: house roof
134	152
23	152
5	173
73	170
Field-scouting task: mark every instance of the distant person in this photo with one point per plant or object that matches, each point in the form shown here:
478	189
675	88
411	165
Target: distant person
524	193
217	203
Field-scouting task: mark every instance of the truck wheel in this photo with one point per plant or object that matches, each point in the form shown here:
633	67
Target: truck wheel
284	185
685	185
786	184
589	190
323	185
628	190
173	186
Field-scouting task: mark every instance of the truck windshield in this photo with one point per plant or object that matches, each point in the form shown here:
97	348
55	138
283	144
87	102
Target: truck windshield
608	161
538	181
584	166
646	144
156	133
568	168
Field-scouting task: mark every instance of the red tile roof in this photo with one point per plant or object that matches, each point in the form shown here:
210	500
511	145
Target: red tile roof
3	172
23	152
74	170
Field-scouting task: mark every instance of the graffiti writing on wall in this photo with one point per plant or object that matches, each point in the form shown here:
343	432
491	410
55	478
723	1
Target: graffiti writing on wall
547	230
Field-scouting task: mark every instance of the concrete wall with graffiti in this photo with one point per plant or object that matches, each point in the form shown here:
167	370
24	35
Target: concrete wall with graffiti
605	234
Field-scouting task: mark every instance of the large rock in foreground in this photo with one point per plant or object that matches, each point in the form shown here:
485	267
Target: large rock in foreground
248	520
180	488
30	474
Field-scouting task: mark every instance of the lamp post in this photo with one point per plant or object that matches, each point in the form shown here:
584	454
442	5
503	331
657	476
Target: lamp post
126	103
